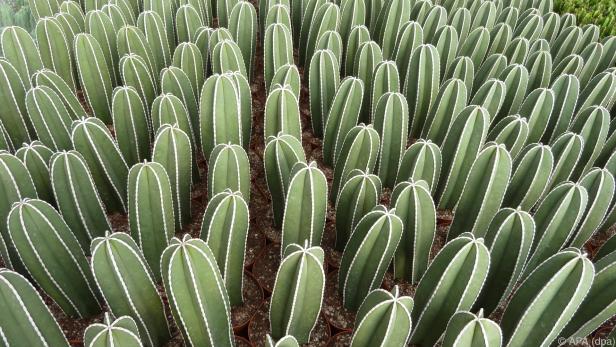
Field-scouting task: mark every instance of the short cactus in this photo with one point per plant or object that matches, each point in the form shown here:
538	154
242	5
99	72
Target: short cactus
287	341
278	50
49	117
391	120
282	113
52	80
323	81
467	329
421	161
55	49
512	132
131	125
450	101
36	157
122	331
20	49
229	168
13	114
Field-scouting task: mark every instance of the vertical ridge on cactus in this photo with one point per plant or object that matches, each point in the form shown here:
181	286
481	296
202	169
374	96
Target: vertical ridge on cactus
49	117
243	25
282	113
121	331
99	25
55	49
135	74
277	50
287	341
188	58
421	84
323	81
13	114
532	169
52	80
421	161
153	27
450	101
36	157
229	168
19	48
130	124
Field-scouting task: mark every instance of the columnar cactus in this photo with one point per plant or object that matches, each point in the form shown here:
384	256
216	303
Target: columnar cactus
323	82
153	28
532	170
36	157
593	125
446	42
287	341
131	125
450	101
326	17
187	22
111	332
512	132
421	84
55	50
463	140
49	117
99	25
421	161
198	299
565	277
77	198
52	256
94	142
517	50
463	69
539	66
491	95
500	37
125	282
52	80
278	50
357	36
298	292
515	77
224	228
175	81
289	75
229	168
451	283
342	117
368	254
359	195
415	208
281	154
509	239
188	58
279	13
243	25
475	45
383	306
331	40
305	206
245	95
172	150
352	14
483	191
28	320
19	48
132	40
410	36
13	114
556	217
467	329
282	113
391	120
135	73
385	80
567	150
537	108
227	57
367	58
150	211
390	19
94	76
600	91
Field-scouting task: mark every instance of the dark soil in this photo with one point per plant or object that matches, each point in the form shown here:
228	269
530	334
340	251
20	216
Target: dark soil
335	313
342	339
253	299
266	266
242	342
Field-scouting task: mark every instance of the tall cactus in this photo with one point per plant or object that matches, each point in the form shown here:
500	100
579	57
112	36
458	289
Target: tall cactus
537	108
567	150
29	321
385	80
421	162
13	114
135	74
491	95
187	22
451	283
94	142
461	68
566	277
390	19
382	306
131	125
224	228
410	36
36	157
52	80
229	168
227	57
326	17
99	25
49	117
357	36
421	84
515	77
483	191
125	282
244	26
189	59
305	206
531	173
55	49
198	299
566	90
19	48
282	113
415	208
509	239
512	132
281	153
122	331
450	101
153	28
56	262
539	66
368	254
298	292
174	80
278	50
391	122
467	329
150	211
323	82
289	75
77	198
367	58
132	40
172	150
593	125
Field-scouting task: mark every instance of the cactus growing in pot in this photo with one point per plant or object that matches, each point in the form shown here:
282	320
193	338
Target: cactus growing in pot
121	331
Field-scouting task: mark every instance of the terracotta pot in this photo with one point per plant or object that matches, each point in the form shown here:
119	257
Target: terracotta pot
342	338
333	311
265	267
253	301
242	342
255	246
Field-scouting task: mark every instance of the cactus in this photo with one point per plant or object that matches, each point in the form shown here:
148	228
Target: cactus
282	113
279	13
224	228
77	198
56	262
117	11
600	91
414	205
463	140
571	64
432	20
323	81
126	284
278	50
359	150
28	320
187	22
461	68
55	50
450	101
150	211
17	184
509	239
556	217
600	185
200	308
188	58
537	108
175	81
532	169
476	45
244	26
500	38
342	117
421	85
36	157
391	120
50	79
13	115
289	75
326	17
131	39
245	95
511	131
281	153
18	48
122	332
385	80
567	150
383	306
305	206
517	50
94	76
368	254
593	125
515	77
483	191
51	121
450	284
466	328
446	43
421	162
367	58
298	292
227	57
153	28
131	125
391	18
287	341
566	277
357	36
358	196
94	142
135	74
491	95
99	25
220	113
566	89
539	66
461	20
229	168
173	151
